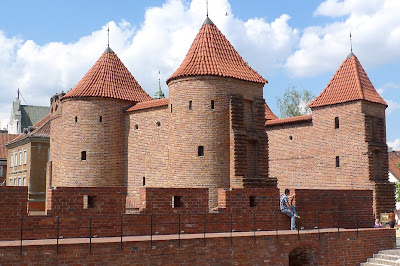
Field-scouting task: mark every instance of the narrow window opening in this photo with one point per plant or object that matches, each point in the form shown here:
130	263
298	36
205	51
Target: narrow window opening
336	122
200	151
291	137
212	104
83	155
144	181
252	201
337	161
76	119
190	105
177	201
171	107
158	123
136	126
100	119
89	202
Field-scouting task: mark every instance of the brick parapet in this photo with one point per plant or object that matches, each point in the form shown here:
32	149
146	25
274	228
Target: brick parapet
351	248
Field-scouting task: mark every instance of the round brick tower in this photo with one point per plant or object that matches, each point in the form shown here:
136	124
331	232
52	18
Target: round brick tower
88	146
212	77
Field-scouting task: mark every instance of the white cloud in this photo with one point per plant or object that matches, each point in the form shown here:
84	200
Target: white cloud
388	85
337	8
392	106
375	28
160	43
395	144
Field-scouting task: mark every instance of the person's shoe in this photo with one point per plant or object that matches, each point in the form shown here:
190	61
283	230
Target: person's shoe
297	216
294	228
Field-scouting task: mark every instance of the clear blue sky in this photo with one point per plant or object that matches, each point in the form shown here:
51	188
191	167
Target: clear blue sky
47	46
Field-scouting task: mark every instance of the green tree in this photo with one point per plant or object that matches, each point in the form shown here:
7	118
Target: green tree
397	186
294	102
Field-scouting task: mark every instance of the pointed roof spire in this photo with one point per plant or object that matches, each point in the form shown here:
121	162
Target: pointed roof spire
350	83
211	54
108	35
351	44
159	94
109	78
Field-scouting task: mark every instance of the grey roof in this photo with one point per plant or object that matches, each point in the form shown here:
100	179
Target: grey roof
159	94
30	114
208	21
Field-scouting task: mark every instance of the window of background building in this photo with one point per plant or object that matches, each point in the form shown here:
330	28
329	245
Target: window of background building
19	181
1	170
24	181
25	156
15	181
10	182
20	158
11	160
15	159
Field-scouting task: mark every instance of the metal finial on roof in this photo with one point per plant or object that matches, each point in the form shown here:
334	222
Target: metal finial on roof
351	44
207	7
108	35
18	93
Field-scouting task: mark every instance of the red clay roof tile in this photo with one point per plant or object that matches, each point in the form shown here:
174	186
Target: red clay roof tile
109	78
42	130
212	54
269	115
289	120
149	104
349	83
394	159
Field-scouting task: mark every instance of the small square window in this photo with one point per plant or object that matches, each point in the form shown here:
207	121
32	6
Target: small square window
337	161
200	151
252	201
190	105
177	201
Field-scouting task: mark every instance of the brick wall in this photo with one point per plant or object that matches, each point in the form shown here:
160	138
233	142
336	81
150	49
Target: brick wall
13	201
146	151
348	249
102	141
204	126
346	208
161	200
303	155
71	201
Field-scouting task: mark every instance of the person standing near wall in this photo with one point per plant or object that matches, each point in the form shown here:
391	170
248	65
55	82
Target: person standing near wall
392	219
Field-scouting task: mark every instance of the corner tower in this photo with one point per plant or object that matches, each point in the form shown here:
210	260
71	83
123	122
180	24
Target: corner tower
352	114
217	114
88	147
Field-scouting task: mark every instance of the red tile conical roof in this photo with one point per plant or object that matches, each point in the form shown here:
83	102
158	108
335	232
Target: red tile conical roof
109	78
349	83
212	54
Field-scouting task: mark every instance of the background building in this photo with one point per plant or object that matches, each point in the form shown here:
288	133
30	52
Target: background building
24	116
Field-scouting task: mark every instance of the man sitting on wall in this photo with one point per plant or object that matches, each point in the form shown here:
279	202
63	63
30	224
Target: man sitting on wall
288	210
